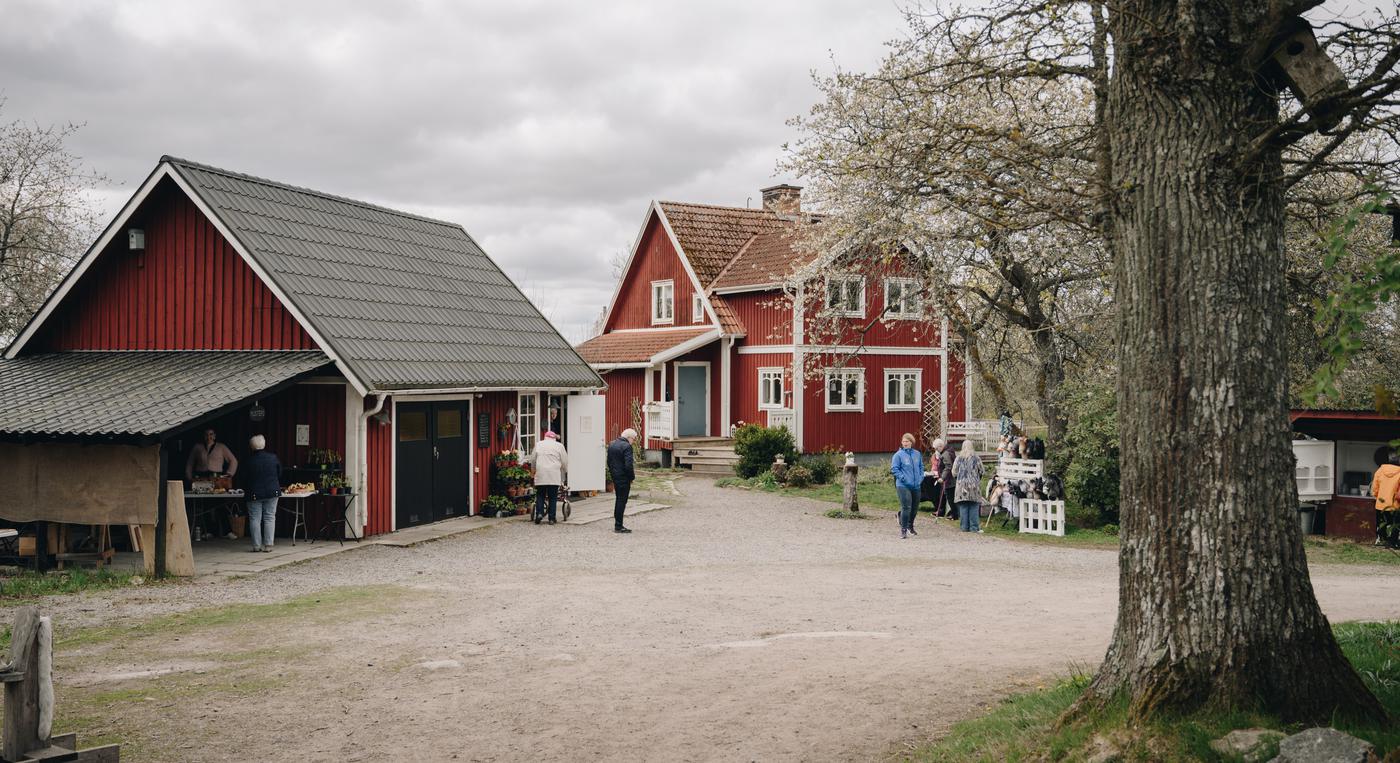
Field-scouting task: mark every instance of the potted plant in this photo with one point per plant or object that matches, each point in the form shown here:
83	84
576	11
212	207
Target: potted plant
497	506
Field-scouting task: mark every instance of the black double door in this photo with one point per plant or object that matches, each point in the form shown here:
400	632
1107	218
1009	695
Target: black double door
434	474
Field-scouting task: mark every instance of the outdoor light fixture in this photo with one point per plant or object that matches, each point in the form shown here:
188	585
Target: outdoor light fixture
257	412
510	416
136	239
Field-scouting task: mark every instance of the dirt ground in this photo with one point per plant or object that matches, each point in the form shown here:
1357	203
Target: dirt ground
734	626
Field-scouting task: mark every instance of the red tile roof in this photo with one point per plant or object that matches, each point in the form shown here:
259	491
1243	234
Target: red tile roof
767	258
711	236
729	321
635	346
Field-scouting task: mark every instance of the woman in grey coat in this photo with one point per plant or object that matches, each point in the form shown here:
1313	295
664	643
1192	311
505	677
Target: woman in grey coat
967	472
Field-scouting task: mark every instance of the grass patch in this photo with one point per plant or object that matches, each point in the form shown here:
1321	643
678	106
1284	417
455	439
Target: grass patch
1342	551
843	514
26	586
334	604
1023	727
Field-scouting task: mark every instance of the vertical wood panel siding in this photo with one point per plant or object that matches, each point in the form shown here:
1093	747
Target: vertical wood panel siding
188	291
767	316
744	392
873	430
623	386
889	332
494	405
656	260
379	458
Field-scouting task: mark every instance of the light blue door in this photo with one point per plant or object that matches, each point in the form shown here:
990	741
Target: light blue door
691	382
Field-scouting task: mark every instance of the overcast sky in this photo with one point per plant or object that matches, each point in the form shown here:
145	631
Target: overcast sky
544	128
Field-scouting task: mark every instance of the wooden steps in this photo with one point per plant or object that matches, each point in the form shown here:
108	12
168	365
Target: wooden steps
709	456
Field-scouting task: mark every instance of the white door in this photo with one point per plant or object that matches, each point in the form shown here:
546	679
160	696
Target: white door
588	442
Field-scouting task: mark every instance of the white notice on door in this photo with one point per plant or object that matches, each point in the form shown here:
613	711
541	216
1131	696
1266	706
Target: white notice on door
585	425
303	434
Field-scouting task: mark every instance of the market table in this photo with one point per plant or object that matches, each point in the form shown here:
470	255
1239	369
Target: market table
344	518
205	504
298	512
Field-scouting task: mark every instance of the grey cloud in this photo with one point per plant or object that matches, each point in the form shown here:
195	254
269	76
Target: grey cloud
544	128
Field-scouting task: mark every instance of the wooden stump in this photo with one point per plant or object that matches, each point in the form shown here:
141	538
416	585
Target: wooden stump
849	501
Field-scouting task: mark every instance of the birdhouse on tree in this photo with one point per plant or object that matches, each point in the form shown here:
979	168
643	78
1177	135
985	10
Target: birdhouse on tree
1300	64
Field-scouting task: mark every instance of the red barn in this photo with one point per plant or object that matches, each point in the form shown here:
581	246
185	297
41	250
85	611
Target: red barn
343	331
715	322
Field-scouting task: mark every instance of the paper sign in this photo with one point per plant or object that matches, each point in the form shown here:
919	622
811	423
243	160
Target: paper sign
303	434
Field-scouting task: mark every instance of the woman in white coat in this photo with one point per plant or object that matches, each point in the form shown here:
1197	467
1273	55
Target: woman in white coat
551	463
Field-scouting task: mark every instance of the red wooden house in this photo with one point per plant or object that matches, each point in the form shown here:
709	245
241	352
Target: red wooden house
715	323
220	299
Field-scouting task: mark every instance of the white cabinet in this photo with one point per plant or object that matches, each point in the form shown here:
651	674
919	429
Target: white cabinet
1316	470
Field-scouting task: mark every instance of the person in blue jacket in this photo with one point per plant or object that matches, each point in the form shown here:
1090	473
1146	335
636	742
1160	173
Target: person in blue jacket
907	466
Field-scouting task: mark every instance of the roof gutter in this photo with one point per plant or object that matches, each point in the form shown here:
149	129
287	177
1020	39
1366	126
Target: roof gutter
474	390
362	453
619	366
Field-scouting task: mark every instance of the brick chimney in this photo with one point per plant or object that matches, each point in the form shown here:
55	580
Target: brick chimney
785	200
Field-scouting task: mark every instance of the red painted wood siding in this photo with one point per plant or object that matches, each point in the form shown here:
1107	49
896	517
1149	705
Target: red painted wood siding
743	394
494	405
656	260
767	316
189	290
379	457
623	387
888	332
957	388
874	430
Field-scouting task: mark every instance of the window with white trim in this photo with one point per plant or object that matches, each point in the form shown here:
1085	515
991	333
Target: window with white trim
902	298
845	296
902	389
527	422
697	309
663	298
845	389
770	388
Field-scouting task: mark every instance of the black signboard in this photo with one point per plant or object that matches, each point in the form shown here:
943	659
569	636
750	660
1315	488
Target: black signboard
483	430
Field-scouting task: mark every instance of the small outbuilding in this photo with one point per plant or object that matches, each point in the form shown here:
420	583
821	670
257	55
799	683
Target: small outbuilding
1338	452
383	355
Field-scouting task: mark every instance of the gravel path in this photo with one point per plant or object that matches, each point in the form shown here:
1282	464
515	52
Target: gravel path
734	626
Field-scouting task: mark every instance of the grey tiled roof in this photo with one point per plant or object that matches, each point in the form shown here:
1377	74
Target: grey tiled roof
405	301
135	393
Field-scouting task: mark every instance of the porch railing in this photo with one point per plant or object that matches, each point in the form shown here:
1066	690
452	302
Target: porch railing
660	418
782	418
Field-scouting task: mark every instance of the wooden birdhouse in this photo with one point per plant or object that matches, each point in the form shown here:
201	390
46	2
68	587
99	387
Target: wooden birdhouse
1304	68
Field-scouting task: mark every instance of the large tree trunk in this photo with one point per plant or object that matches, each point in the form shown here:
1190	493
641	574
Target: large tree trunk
1215	605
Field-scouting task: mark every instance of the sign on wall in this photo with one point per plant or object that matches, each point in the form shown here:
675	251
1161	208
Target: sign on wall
303	434
483	430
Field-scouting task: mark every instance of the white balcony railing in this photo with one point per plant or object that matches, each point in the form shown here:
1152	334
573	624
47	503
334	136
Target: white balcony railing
781	417
660	419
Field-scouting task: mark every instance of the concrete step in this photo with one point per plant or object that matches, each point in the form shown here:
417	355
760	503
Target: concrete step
705	453
682	443
697	461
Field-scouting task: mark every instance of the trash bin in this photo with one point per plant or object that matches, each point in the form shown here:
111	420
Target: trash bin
1305	519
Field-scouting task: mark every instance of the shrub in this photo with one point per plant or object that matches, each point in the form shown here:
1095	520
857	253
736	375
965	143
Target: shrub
758	446
1091	440
874	475
799	476
1109	529
822	467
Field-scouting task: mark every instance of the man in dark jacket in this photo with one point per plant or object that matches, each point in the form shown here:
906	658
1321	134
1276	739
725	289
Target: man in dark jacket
942	466
623	471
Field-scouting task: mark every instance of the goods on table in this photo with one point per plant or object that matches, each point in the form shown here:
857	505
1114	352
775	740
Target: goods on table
300	487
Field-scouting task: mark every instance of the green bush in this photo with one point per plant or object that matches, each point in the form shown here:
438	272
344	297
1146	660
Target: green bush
758	446
799	476
822	467
1091	443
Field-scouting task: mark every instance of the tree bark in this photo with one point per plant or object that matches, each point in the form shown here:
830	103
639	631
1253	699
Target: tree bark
1216	608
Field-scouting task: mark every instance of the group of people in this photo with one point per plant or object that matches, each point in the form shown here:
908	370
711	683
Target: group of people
262	479
958	483
551	462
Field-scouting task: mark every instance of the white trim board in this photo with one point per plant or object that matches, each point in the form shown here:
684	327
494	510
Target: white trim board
784	349
684	347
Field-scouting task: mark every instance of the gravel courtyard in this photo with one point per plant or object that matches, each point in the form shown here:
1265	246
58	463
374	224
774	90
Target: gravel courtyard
734	626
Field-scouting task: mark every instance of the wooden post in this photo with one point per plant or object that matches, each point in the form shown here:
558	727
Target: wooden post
161	511
849	501
21	677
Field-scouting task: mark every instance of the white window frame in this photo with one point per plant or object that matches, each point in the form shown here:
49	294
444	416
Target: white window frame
844	280
859	375
767	374
526	442
918	374
910	286
697	308
663	294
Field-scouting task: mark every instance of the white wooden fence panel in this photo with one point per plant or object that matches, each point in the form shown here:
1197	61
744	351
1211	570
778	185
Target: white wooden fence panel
1042	517
783	418
1021	468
